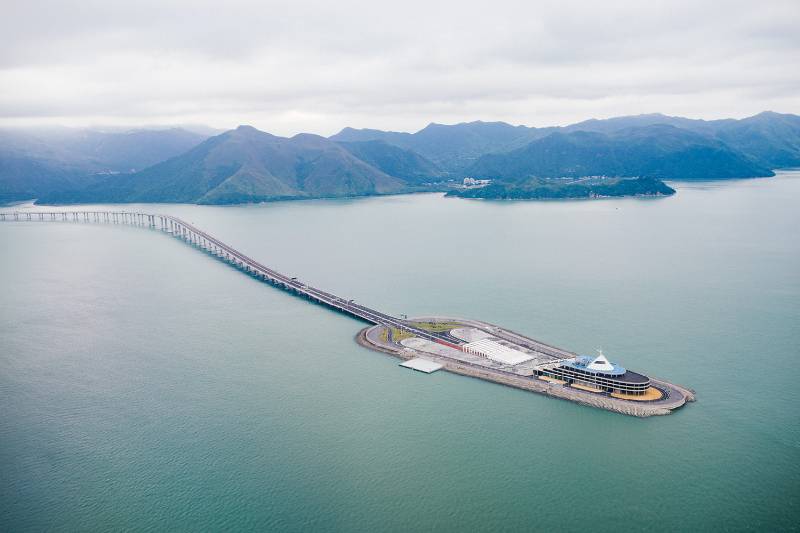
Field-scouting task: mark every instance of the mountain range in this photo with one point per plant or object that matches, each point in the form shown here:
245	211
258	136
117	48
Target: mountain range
247	165
451	147
656	151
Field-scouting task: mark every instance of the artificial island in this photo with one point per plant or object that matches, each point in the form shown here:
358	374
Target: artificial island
468	347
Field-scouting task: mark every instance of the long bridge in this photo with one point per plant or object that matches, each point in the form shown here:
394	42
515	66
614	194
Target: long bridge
673	395
201	240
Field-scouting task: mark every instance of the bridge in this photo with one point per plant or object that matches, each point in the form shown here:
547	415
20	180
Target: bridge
201	240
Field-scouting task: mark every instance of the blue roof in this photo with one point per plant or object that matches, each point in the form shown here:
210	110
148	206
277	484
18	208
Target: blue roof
582	361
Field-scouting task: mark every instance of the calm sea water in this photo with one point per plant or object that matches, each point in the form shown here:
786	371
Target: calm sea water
145	386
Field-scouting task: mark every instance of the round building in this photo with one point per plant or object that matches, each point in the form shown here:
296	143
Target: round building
599	373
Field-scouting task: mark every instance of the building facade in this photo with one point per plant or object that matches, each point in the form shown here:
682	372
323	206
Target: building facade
599	373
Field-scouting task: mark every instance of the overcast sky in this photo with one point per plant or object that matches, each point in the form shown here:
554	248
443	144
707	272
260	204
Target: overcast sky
287	67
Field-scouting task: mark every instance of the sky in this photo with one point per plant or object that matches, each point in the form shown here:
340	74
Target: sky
301	66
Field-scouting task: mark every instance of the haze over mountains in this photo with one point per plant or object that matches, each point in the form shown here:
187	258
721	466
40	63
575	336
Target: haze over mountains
247	165
43	161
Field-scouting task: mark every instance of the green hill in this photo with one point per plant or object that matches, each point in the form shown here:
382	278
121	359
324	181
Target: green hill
395	161
245	165
451	147
657	151
770	139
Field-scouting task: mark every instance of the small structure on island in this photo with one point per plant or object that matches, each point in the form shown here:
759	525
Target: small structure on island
421	365
472	182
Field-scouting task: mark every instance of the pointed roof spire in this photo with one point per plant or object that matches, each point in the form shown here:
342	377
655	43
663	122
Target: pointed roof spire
600	363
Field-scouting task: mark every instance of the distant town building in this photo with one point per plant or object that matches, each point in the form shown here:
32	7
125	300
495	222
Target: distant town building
472	182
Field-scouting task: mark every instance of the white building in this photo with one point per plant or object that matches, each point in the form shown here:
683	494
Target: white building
496	352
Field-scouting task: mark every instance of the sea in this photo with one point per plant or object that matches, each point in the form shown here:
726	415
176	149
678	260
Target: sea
146	386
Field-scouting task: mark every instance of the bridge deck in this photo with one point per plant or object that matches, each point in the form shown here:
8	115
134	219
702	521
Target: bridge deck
196	237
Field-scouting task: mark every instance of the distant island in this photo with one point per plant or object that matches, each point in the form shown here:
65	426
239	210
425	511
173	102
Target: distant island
624	156
551	189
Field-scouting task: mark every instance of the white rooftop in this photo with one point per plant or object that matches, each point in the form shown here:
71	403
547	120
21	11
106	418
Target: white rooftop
600	364
497	352
423	365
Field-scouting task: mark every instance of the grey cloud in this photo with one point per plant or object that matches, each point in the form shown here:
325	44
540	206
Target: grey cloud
318	66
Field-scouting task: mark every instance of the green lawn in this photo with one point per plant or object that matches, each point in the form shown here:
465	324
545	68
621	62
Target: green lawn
436	327
400	334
